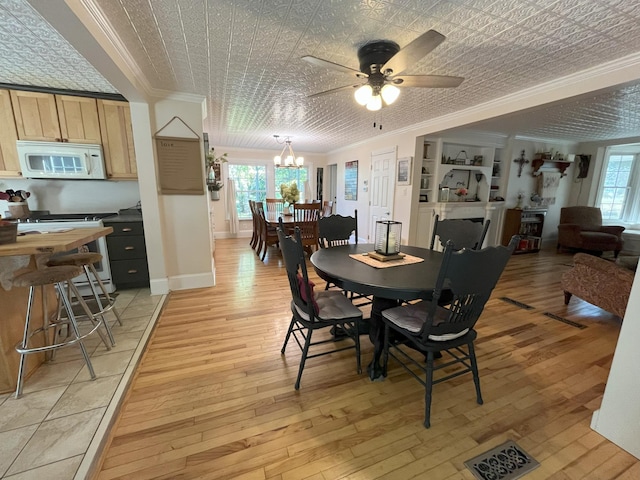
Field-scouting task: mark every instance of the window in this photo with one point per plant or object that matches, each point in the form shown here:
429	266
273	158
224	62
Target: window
288	175
618	192
251	184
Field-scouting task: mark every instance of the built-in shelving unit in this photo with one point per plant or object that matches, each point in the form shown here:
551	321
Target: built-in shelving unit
427	172
528	224
495	189
448	164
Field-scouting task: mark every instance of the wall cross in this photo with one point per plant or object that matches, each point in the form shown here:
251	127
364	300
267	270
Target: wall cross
521	162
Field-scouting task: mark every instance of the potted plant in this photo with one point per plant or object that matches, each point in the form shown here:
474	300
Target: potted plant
290	195
213	183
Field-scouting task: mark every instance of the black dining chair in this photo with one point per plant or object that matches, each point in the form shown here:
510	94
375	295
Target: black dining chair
429	327
336	230
313	311
463	233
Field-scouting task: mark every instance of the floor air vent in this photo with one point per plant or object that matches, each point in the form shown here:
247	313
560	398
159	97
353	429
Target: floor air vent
516	303
564	320
504	462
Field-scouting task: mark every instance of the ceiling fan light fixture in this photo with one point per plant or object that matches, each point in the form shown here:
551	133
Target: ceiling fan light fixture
363	94
389	93
375	103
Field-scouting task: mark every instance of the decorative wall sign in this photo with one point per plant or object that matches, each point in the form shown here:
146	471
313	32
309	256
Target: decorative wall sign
404	171
179	163
179	166
351	180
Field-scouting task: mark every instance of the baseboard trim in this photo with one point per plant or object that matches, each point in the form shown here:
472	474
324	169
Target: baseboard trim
187	282
159	286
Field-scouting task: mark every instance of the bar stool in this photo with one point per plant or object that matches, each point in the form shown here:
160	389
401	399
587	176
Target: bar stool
56	276
104	301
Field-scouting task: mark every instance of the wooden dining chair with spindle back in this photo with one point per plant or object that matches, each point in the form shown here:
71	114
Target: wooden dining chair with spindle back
305	217
274	205
267	235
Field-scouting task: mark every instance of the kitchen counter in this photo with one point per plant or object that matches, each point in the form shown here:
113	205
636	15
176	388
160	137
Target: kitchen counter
53	242
126	215
30	247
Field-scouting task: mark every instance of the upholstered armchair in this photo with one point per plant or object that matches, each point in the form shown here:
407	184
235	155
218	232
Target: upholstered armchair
581	228
600	282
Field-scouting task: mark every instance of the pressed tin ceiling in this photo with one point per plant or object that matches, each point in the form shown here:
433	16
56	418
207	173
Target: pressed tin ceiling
245	57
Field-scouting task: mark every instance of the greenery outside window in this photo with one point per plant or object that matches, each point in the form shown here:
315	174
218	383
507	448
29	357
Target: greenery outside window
619	189
251	184
288	175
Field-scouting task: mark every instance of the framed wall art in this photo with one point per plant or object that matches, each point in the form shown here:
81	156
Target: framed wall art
404	171
351	180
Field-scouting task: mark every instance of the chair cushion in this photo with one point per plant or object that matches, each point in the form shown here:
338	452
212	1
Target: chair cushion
411	318
332	305
303	293
595	239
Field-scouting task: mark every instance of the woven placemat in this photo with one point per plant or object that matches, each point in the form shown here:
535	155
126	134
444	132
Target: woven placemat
407	260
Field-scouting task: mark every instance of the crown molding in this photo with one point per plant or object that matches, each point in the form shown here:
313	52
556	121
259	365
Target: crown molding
611	74
95	15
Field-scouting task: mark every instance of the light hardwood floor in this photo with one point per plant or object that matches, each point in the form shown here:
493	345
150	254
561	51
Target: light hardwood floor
213	397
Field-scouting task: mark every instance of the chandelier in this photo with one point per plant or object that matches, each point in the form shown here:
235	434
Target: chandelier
287	158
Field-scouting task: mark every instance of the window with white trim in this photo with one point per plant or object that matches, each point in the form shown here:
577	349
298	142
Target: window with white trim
288	175
619	189
251	184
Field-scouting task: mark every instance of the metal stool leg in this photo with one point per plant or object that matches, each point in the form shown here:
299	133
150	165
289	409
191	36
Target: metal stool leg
25	339
100	306
105	293
74	327
71	292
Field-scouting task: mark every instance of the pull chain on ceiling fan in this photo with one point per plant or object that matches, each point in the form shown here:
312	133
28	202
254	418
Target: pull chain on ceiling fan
381	64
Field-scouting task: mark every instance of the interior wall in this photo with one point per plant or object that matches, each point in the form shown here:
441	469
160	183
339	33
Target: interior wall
619	416
75	196
185	218
254	156
584	191
406	146
527	184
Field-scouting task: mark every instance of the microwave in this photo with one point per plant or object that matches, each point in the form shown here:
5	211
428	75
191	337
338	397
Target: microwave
76	161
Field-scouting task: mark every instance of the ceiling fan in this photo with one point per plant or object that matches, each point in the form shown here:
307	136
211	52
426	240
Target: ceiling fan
382	63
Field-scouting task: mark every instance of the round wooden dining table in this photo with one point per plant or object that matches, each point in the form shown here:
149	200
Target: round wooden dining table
389	286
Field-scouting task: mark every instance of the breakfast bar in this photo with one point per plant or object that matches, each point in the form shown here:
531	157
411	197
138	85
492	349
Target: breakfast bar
29	252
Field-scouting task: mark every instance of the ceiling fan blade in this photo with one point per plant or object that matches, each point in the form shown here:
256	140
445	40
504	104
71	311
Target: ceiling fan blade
319	62
414	51
426	81
333	90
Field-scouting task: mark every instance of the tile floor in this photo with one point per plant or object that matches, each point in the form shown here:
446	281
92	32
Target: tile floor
55	430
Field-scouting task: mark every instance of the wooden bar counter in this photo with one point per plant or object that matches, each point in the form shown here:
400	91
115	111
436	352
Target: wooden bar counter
13	301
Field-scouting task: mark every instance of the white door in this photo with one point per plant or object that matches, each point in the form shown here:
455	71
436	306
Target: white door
332	170
382	185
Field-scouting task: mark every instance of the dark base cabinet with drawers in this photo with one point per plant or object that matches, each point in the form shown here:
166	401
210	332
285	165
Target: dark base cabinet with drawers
127	252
